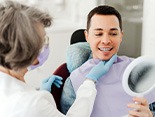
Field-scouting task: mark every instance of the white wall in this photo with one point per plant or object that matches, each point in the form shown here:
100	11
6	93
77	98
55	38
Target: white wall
68	16
148	43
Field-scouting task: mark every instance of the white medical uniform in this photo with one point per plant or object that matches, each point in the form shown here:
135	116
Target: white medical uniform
17	99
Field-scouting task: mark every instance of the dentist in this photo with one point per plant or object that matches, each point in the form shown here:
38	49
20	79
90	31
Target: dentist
23	47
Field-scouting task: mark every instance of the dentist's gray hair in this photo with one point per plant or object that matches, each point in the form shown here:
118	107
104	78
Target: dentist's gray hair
20	43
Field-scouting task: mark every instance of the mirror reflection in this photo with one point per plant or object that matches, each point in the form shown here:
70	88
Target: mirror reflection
139	76
142	77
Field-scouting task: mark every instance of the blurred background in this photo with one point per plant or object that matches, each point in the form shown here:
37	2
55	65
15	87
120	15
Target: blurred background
69	15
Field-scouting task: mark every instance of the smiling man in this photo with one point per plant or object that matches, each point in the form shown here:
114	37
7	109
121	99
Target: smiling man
104	35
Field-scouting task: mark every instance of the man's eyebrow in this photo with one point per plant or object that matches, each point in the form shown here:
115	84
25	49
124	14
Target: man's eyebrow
98	29
113	29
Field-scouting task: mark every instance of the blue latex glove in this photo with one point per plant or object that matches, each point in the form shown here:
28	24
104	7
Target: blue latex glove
47	83
101	68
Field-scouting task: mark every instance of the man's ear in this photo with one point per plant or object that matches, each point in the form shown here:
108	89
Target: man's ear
86	35
122	33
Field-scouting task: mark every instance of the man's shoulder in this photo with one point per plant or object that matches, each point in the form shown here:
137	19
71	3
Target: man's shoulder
89	64
125	59
93	62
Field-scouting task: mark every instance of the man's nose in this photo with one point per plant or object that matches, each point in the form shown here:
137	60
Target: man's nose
105	39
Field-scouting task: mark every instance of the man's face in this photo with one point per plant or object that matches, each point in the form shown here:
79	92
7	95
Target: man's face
104	36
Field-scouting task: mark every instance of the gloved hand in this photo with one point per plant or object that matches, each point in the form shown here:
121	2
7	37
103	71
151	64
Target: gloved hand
101	68
47	83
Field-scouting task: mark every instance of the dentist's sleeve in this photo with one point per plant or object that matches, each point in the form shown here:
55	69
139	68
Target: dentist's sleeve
85	97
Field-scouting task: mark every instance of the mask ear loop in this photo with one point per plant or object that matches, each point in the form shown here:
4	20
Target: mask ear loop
46	41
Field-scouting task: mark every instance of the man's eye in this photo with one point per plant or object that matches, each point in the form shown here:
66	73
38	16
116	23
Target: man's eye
113	34
98	34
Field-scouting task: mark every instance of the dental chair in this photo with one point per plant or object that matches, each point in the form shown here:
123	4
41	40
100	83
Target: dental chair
62	70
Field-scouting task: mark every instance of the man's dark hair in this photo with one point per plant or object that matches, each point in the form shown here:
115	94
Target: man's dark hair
103	10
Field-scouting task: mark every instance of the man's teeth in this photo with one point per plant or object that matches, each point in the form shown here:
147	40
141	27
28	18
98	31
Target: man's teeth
105	49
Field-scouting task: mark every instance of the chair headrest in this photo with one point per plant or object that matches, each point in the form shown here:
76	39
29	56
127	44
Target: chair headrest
78	36
77	54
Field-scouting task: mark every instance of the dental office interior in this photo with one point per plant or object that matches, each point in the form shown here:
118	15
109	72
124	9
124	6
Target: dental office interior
138	18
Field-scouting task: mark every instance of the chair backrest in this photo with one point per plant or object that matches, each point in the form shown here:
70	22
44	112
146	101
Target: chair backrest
56	92
77	36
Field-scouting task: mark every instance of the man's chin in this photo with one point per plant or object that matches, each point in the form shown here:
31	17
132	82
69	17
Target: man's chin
105	58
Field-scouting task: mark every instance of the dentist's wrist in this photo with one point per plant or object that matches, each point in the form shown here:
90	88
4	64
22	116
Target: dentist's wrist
91	80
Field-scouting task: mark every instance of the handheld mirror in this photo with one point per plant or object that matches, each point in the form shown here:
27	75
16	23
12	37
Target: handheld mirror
139	76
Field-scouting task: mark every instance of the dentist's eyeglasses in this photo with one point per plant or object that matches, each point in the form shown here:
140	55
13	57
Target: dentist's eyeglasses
46	41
